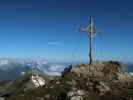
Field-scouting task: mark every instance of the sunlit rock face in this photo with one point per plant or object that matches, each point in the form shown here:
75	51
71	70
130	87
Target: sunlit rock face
35	82
76	95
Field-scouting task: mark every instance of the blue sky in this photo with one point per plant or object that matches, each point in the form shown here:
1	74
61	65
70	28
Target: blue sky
50	29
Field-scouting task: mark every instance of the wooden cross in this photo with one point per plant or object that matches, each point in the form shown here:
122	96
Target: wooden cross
91	30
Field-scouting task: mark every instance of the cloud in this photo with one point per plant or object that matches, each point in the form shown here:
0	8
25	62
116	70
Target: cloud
54	43
131	73
22	73
52	73
54	69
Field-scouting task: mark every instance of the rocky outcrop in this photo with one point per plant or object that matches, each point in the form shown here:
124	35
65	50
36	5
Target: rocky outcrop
101	79
76	94
106	71
35	81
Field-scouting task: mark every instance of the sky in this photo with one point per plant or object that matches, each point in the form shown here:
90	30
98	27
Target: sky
50	29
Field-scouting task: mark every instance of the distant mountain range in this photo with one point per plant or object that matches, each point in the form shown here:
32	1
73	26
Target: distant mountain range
10	69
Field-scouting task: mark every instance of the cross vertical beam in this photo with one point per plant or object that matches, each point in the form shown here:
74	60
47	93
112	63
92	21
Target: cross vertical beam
90	30
90	54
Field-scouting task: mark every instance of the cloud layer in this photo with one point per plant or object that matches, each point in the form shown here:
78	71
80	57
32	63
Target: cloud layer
54	69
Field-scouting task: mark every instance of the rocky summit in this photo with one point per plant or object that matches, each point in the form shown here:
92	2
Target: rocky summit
98	81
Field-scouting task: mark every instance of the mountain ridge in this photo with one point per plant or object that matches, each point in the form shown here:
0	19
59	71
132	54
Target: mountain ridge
101	81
